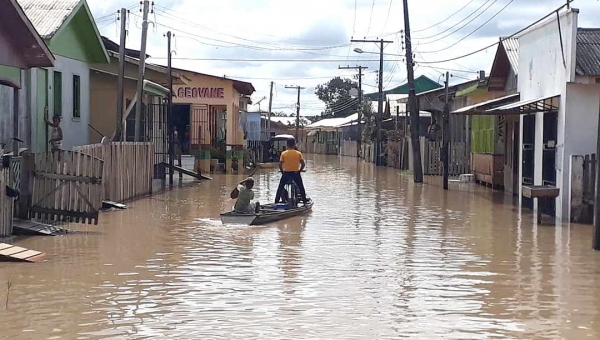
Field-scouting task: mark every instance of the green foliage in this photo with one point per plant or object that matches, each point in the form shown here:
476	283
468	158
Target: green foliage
336	95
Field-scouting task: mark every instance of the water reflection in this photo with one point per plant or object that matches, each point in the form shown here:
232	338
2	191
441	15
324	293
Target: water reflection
378	257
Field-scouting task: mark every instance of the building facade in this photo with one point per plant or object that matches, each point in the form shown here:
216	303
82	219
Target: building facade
68	28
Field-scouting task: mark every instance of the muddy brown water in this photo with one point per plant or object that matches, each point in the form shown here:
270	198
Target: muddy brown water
378	258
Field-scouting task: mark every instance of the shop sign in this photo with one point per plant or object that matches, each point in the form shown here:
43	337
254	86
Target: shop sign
201	92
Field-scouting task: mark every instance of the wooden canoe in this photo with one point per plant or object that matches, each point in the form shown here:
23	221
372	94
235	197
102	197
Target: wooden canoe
267	214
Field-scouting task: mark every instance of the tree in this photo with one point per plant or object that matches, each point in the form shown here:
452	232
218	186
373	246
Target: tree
336	95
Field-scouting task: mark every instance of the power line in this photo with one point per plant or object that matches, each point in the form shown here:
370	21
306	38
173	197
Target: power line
387	17
475	30
166	12
500	40
458	23
371	17
268	60
448	18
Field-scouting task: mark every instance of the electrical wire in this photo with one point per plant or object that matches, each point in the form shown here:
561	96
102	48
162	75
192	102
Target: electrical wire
267	60
387	17
166	13
371	17
457	24
447	18
472	32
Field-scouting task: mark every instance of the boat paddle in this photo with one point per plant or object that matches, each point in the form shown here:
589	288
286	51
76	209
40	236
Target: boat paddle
235	192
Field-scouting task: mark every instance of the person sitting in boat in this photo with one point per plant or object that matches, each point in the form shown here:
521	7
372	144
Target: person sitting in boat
291	164
244	194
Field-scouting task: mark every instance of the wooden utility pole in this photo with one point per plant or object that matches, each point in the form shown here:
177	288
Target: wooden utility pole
120	87
269	113
446	131
170	113
297	108
141	71
412	101
597	196
378	143
360	104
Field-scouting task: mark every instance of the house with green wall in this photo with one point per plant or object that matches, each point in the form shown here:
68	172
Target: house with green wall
21	48
69	30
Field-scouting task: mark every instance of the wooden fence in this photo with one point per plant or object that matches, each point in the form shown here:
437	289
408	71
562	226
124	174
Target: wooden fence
583	188
9	176
458	159
6	204
397	153
66	187
128	168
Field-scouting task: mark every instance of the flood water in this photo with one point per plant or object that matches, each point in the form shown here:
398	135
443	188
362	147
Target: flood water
378	258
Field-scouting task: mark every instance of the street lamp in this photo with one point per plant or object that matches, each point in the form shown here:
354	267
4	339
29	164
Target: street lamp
380	42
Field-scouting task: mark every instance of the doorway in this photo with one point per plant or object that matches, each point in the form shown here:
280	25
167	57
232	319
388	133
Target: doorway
181	121
528	155
550	133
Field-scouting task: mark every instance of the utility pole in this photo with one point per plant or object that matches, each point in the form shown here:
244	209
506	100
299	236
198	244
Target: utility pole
170	113
141	71
120	87
297	108
412	101
360	105
269	113
378	143
446	132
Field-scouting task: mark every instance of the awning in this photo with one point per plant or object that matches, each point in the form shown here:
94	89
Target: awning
544	104
480	108
155	89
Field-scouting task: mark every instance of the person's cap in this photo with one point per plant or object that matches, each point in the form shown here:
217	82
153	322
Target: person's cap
56	117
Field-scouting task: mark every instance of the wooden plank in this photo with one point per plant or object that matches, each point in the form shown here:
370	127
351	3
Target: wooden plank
11	250
5	245
26	254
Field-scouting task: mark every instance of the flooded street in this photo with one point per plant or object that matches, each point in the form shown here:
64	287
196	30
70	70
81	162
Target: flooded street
378	258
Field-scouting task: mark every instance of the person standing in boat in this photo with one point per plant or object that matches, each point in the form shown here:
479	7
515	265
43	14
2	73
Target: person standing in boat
244	194
291	164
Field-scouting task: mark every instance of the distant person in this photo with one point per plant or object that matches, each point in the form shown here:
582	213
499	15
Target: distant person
56	134
176	146
187	140
291	164
244	194
433	130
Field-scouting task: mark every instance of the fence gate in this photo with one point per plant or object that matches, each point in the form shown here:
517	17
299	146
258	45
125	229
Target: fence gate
67	186
157	131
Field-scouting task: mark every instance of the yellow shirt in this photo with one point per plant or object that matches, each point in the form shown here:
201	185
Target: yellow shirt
291	160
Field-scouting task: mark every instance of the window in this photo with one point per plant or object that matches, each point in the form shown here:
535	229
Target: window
57	93
76	96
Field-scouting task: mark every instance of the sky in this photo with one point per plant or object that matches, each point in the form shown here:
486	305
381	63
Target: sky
302	43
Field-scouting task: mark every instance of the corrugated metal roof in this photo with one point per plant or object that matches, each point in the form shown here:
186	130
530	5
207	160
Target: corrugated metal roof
47	16
588	52
511	46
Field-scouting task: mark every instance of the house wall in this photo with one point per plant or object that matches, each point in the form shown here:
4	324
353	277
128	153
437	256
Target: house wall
7	111
75	130
543	73
230	99
103	103
581	130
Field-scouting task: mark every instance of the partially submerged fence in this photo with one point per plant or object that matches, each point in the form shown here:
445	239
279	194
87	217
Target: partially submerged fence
10	176
128	168
458	162
583	188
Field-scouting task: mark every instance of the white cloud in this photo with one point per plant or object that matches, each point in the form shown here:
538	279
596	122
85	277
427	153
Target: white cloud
206	29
